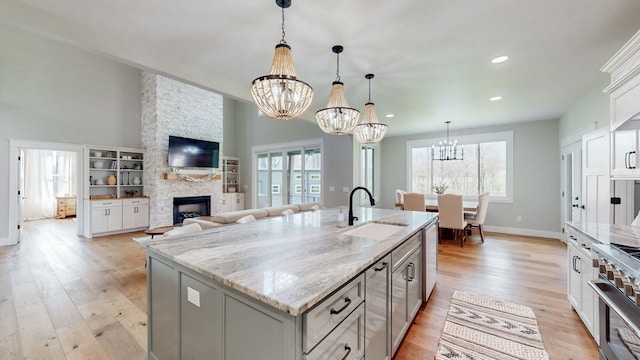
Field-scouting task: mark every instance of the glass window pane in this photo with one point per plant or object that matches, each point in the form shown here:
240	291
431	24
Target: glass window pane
460	176
294	175
263	180
493	168
276	179
421	170
312	169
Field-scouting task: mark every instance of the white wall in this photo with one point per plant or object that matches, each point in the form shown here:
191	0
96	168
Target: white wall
536	177
592	108
54	92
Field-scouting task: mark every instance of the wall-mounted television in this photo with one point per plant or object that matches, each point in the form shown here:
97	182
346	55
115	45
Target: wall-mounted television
185	152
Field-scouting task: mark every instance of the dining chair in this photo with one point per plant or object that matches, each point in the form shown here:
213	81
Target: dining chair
400	197
477	220
414	202
451	215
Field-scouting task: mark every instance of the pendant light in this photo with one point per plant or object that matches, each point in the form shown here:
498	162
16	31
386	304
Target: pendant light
338	118
447	150
370	130
280	95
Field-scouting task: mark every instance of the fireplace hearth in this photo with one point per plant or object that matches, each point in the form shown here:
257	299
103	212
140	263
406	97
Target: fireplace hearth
190	207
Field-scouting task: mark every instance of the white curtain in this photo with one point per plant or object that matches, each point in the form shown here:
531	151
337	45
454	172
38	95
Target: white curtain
47	174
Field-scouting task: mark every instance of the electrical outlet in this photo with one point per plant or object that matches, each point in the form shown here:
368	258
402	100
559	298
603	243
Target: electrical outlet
345	189
518	218
332	188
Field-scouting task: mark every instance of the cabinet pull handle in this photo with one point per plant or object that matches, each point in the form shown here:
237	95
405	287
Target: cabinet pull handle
626	160
578	270
384	266
585	246
574	263
347	301
411	266
348	349
631	166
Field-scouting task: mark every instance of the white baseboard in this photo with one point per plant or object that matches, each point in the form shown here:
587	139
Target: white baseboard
5	242
525	232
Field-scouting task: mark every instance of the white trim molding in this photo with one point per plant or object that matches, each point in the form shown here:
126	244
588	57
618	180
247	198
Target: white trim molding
525	232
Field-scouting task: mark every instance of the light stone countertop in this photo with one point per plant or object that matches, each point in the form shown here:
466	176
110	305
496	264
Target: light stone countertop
609	233
289	262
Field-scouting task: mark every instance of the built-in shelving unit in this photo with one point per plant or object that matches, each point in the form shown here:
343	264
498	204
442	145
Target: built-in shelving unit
232	198
115	173
230	174
115	190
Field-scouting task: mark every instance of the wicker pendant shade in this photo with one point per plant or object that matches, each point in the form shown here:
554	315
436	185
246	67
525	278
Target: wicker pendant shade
338	118
280	95
370	130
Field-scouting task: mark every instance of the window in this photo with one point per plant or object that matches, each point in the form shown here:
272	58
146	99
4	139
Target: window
287	174
487	166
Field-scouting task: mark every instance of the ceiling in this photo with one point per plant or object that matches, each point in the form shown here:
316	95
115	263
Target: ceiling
432	59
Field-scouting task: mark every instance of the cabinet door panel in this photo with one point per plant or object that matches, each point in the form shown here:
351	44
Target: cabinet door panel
115	218
129	217
99	220
201	320
398	306
143	216
414	284
377	306
163	313
623	143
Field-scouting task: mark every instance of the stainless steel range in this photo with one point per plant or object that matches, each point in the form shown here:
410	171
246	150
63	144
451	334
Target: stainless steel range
618	289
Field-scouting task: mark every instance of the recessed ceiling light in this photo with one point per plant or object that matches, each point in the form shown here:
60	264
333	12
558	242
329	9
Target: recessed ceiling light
500	59
389	115
495	98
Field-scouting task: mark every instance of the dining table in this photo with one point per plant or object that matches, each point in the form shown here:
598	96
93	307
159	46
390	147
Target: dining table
432	205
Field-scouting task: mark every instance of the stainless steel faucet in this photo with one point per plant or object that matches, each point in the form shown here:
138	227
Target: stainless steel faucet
371	200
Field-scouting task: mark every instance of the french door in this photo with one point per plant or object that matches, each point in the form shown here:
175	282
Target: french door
288	176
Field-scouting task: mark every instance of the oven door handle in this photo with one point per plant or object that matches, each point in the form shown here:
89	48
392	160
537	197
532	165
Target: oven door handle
612	303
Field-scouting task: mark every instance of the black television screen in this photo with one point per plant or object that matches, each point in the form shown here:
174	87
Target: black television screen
185	152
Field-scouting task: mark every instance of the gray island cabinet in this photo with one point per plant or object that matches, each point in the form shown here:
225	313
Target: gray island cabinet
293	287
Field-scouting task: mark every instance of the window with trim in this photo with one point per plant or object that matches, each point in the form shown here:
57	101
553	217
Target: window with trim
288	174
487	166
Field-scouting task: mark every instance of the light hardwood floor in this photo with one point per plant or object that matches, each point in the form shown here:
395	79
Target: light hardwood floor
66	297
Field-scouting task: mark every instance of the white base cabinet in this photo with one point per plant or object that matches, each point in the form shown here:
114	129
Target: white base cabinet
135	213
580	268
105	217
232	202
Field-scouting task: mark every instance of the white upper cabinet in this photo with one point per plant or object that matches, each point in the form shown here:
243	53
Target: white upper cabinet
624	90
624	153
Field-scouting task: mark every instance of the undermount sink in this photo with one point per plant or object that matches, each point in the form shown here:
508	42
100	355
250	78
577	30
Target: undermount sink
375	230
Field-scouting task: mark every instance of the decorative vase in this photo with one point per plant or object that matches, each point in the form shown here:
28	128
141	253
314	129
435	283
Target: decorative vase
137	181
111	180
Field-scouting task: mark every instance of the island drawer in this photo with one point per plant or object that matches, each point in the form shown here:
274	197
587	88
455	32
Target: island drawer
324	317
403	251
345	342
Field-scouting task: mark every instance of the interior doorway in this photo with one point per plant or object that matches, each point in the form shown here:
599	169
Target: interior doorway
40	174
571	187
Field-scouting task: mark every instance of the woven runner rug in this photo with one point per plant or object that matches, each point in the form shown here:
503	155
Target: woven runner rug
482	328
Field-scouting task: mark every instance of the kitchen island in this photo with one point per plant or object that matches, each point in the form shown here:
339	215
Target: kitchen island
291	287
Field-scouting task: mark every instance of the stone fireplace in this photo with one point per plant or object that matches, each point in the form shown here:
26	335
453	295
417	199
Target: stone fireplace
190	207
170	107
